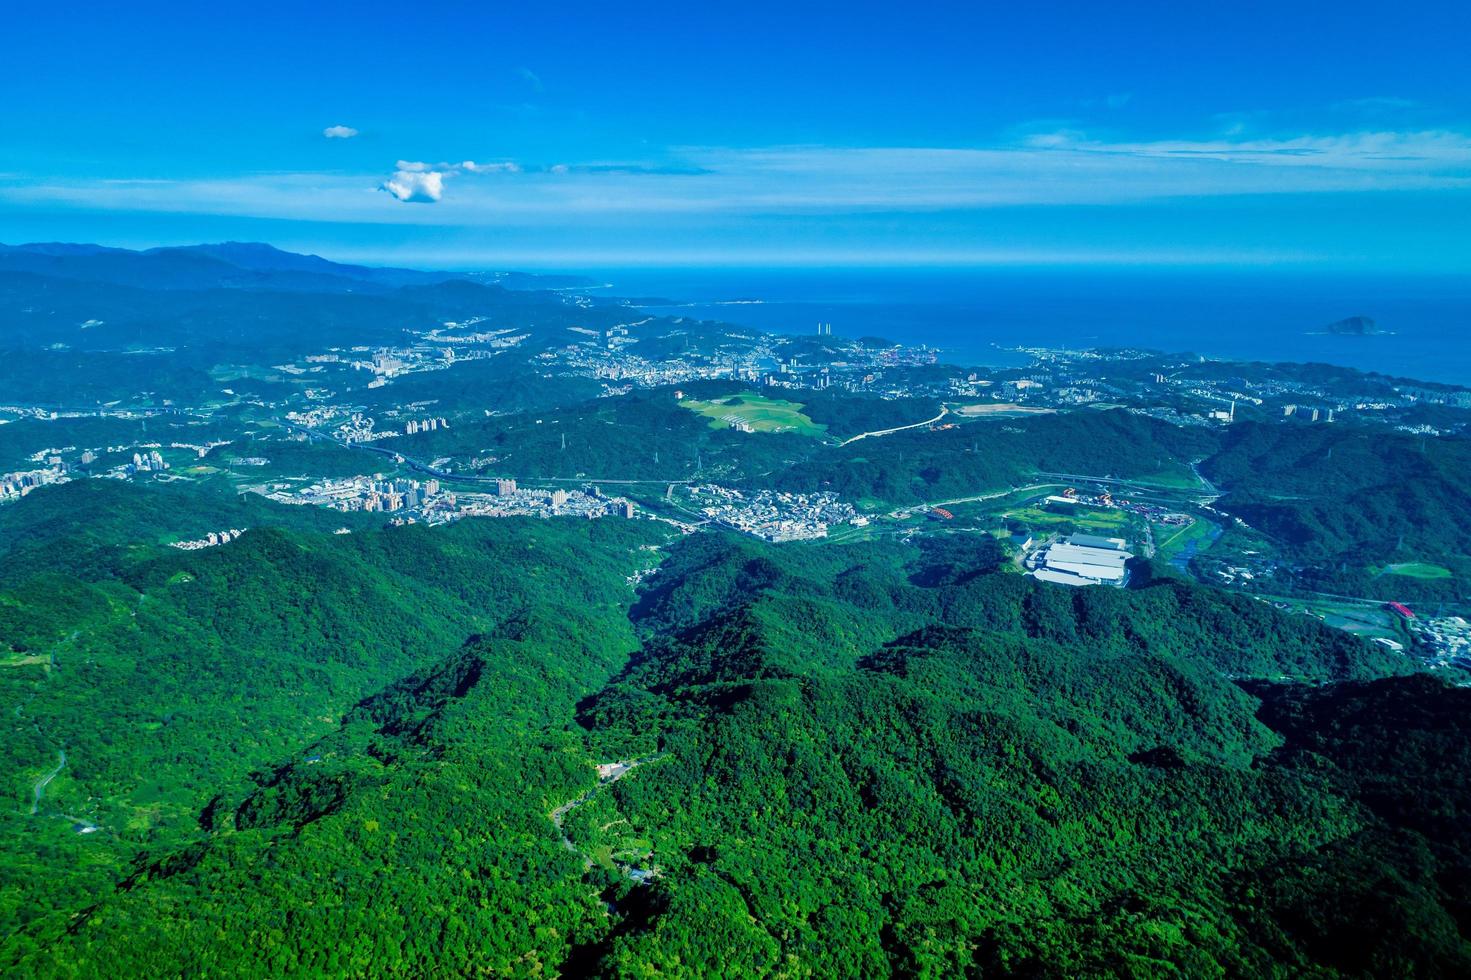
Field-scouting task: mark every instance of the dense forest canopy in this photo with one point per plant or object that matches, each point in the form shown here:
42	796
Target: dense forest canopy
848	760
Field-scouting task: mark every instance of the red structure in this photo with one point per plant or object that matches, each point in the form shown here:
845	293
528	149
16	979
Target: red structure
1402	609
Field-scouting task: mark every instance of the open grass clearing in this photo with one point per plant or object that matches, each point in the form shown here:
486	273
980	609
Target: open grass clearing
1417	569
1085	518
760	413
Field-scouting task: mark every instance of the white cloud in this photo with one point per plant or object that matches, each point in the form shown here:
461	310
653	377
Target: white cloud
696	184
508	167
463	166
1427	151
416	186
417	182
339	132
531	78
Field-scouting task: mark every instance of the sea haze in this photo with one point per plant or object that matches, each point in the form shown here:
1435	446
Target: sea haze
972	314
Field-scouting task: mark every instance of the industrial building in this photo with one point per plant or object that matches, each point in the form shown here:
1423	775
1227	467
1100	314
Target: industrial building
1094	541
1083	559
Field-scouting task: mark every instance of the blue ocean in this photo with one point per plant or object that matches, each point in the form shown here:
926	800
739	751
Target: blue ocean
974	315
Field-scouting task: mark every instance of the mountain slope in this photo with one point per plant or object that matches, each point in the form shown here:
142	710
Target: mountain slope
884	792
166	677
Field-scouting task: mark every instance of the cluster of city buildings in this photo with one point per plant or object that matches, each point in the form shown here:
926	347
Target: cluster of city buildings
774	516
360	428
434	355
619	365
763	360
509	500
433	352
415	500
789	376
13	486
316	416
210	540
460	332
415	426
53	468
1194	391
357	427
1082	559
146	462
1312	414
369	494
1448	638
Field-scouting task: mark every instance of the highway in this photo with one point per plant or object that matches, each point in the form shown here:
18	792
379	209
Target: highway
39	789
884	432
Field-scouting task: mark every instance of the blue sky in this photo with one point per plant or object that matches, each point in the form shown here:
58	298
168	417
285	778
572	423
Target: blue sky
577	135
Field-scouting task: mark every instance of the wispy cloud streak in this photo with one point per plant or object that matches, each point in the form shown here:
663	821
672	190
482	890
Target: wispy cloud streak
1060	168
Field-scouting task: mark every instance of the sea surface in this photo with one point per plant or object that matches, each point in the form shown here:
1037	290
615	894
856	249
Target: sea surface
974	315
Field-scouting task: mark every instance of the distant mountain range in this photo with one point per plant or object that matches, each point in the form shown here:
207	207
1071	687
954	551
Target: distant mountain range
249	265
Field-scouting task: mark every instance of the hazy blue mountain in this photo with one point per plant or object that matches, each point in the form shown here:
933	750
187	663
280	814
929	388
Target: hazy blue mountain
59	248
238	265
260	257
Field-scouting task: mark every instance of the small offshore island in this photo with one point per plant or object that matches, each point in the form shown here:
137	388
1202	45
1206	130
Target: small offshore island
1355	326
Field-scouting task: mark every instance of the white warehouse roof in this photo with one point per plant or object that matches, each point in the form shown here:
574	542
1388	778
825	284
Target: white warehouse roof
1061	578
1096	572
1078	554
1094	541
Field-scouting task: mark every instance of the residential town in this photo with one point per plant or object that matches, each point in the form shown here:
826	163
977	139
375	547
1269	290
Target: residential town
771	515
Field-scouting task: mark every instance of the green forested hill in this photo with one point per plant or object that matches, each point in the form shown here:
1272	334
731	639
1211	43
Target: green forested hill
96	528
918	466
640	436
850	760
164	676
649	436
1344	502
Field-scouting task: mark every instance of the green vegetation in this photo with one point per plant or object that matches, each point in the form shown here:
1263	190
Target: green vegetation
1417	569
1182	542
639	436
288	457
919	466
856	759
1370	620
760	413
1342	502
844	414
1092	519
164	676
